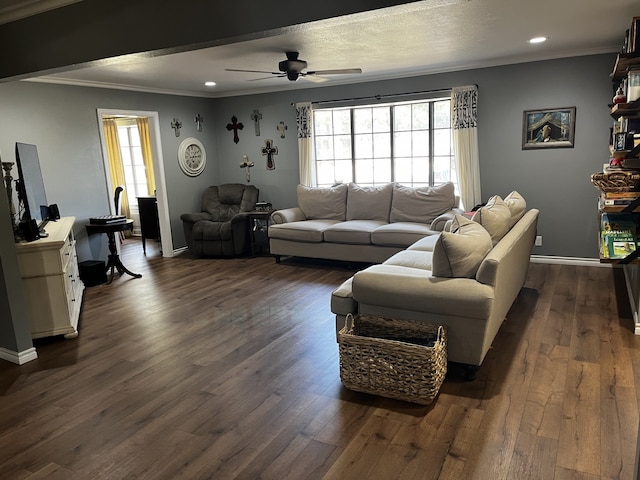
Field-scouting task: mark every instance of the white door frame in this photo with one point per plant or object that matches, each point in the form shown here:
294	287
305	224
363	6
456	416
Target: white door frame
158	170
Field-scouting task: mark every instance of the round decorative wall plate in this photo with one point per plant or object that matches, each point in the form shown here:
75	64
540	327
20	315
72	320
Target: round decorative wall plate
192	157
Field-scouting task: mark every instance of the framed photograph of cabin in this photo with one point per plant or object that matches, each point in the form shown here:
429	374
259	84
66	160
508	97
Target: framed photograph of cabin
549	128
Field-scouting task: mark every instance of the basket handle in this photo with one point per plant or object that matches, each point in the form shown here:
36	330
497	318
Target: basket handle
348	322
440	333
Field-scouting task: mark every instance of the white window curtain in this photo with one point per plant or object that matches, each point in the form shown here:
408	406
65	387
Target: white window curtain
464	122
304	116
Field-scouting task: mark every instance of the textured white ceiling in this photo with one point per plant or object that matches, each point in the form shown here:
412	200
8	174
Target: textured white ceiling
412	39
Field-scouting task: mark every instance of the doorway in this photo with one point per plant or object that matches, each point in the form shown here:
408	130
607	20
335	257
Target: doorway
140	183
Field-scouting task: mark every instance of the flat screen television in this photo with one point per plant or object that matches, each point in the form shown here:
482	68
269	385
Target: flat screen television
31	186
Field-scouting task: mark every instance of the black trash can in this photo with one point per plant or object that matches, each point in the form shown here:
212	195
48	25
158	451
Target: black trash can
92	272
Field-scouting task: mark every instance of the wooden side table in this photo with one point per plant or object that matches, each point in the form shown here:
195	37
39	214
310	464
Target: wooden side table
114	262
259	221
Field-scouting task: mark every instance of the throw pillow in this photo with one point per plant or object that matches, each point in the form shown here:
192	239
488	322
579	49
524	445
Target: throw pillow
421	204
517	206
369	203
323	203
495	217
459	253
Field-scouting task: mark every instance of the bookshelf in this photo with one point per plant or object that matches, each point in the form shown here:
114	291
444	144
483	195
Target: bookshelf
624	61
619	181
627	110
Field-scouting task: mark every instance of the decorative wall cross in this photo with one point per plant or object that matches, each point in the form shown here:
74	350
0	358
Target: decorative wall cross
281	128
199	121
246	164
235	126
176	125
269	150
256	116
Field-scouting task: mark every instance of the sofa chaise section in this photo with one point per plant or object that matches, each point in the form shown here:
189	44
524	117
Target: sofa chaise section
466	283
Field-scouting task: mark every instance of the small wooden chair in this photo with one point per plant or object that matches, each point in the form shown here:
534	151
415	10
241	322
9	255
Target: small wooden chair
117	201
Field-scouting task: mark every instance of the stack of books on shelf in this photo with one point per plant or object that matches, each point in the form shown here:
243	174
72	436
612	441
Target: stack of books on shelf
619	201
618	236
631	44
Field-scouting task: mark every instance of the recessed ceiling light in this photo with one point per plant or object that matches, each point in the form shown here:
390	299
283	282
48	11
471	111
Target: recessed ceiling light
209	84
538	40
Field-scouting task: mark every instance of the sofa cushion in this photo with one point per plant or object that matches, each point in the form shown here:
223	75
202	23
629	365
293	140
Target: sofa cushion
420	204
400	234
205	230
425	244
412	258
353	231
342	299
323	203
369	203
304	231
517	206
459	253
495	217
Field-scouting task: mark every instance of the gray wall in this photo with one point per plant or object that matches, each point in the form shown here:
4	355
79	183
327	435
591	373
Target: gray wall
62	122
15	334
555	181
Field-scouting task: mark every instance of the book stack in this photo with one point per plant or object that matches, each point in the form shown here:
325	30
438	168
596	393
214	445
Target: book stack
618	234
631	43
620	201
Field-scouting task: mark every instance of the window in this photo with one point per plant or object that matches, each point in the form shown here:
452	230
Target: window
406	142
133	163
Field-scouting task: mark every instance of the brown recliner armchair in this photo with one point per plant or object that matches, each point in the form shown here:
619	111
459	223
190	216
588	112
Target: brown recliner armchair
221	229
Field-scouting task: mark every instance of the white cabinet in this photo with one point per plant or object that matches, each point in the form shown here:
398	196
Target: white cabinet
51	281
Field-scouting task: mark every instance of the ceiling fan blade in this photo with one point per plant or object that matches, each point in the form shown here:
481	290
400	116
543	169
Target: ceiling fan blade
251	71
336	72
314	78
265	78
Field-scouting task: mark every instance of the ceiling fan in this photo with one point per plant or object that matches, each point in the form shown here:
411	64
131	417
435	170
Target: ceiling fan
293	67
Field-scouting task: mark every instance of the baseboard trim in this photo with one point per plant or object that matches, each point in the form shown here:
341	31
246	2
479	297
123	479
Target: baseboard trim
19	358
552	259
178	251
585	262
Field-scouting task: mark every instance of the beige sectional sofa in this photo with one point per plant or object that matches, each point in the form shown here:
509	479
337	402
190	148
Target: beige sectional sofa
361	224
466	278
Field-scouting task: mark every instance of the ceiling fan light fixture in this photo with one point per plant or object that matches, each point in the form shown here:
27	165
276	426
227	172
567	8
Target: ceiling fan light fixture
293	67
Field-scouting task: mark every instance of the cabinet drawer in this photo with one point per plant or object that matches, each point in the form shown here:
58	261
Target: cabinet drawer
73	284
47	303
67	252
47	256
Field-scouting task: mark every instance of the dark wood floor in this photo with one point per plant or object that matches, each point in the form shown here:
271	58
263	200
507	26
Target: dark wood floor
228	369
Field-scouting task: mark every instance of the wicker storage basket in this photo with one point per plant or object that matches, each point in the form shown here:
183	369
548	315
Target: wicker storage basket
623	181
401	359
